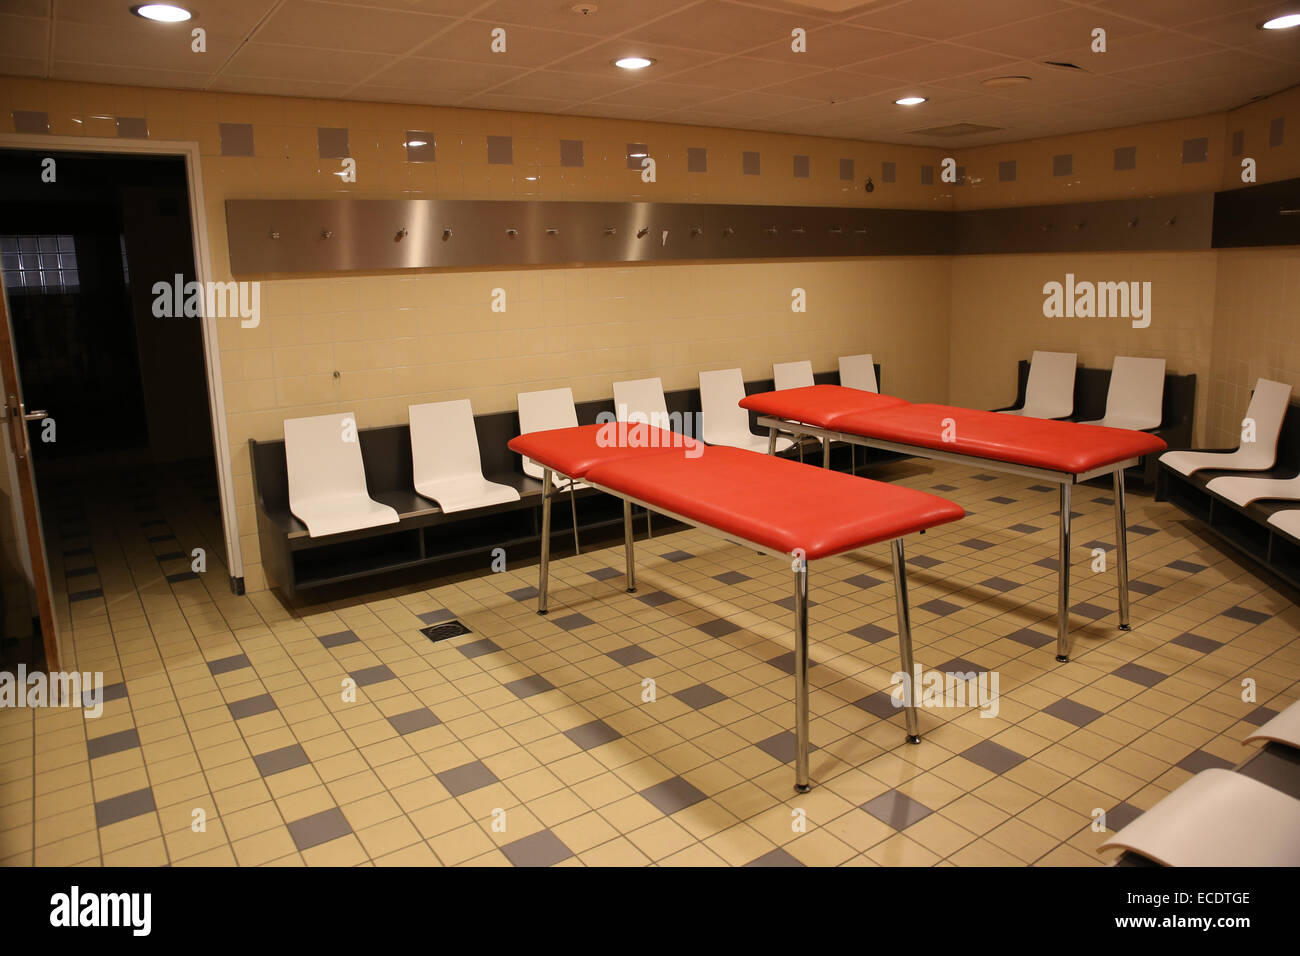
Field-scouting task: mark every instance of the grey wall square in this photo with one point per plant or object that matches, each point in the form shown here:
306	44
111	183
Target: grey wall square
1196	150
635	153
132	127
501	150
846	169
236	139
927	175
1275	128
1007	171
1238	142
888	172
1126	157
802	167
1063	164
697	159
31	121
571	152
421	147
749	163
332	142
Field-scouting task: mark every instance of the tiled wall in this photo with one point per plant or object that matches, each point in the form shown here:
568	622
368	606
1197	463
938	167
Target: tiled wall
396	339
1256	333
997	318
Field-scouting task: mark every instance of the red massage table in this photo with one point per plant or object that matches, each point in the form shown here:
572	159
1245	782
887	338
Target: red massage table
781	508
1064	453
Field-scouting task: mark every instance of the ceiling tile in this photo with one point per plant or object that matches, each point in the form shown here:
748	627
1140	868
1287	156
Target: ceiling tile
931	62
943	19
417	73
721	27
838	45
471	40
300	63
332	26
611	16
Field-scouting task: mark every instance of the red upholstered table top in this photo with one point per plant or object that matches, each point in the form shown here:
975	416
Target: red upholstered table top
779	504
572	451
819	405
1038	443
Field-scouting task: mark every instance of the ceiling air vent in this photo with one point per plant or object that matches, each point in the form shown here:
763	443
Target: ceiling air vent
956	129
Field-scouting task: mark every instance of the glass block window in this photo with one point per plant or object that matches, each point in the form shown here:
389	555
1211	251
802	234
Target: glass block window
39	264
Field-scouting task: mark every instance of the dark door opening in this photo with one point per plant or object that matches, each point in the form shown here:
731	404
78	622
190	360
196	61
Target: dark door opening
125	452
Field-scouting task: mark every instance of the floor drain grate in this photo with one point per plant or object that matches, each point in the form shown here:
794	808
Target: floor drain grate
445	630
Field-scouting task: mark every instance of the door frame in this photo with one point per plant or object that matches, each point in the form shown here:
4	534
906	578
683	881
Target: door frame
189	151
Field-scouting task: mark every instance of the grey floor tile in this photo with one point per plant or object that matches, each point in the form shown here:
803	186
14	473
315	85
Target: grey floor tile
897	809
419	719
871	633
604	574
673	794
863	581
977	544
993	757
718	627
436	617
251	706
782	746
593	734
777	857
1025	528
1199	760
372	675
881	703
1002	500
338	639
466	778
699	696
1139	674
1120	816
523	594
656	598
923	561
627	656
1240	613
676	556
1188	566
529	686
938	606
278	761
542	848
478	648
319	828
124	807
1001	585
731	577
112	743
225	665
1094	612
1072	712
571	622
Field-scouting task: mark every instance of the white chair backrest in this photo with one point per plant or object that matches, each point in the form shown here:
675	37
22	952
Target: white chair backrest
1137	389
323	458
858	371
720	394
1267	409
542	411
641	400
1050	390
444	442
792	374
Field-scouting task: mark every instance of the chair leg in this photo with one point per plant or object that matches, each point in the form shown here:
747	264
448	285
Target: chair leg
573	507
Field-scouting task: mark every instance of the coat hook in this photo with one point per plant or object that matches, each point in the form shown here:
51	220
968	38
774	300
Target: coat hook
799	230
512	233
770	230
696	232
1171	221
610	231
641	233
728	232
401	234
860	231
837	230
327	233
447	234
275	234
1047	227
1132	223
552	231
1080	224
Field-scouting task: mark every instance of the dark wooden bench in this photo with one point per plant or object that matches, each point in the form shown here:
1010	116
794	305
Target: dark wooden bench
1245	529
1090	388
300	565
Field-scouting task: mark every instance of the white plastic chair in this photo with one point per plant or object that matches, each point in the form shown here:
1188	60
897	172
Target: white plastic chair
1288	521
1243	491
1284	728
1267	408
725	422
1136	394
542	411
1218	818
792	374
445	460
1049	393
327	477
796	375
641	400
856	371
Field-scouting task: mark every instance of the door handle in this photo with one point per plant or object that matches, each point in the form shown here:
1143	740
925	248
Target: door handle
36	416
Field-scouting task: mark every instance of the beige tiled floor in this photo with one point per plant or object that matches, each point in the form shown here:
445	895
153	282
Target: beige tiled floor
303	776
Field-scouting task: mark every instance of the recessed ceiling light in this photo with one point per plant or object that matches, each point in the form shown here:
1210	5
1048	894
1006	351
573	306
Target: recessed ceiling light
998	82
162	12
633	62
416	142
911	100
1284	22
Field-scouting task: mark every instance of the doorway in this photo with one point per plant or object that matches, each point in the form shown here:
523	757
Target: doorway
122	450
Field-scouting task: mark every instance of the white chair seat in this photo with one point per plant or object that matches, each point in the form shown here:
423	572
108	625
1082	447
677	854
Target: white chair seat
1288	521
1136	394
858	371
1049	392
543	411
1218	818
336	515
1267	407
1243	491
462	494
327	476
445	462
1284	728
725	422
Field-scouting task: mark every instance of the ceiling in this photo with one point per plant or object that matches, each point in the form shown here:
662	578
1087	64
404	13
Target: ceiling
719	62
